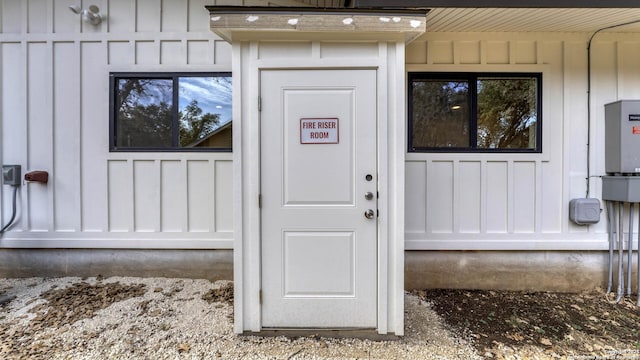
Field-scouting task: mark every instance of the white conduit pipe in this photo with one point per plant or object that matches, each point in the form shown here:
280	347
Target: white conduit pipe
620	291
612	219
630	249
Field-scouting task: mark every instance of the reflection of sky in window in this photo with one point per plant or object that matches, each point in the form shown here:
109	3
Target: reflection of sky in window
212	93
155	91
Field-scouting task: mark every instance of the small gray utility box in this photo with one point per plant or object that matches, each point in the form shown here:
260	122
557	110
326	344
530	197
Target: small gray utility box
622	137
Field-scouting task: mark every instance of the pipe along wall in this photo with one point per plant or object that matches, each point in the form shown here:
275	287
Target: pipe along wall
615	211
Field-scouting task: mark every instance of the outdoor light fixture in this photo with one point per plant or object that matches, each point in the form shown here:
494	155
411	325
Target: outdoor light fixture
224	20
91	15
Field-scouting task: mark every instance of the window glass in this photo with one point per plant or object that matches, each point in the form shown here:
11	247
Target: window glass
440	113
144	113
171	112
507	113
204	106
474	112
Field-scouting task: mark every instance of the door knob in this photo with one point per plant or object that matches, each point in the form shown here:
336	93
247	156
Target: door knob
369	214
368	195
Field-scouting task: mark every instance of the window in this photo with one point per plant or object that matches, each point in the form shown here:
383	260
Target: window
479	112
170	112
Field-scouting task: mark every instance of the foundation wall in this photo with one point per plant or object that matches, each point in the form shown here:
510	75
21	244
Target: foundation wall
564	271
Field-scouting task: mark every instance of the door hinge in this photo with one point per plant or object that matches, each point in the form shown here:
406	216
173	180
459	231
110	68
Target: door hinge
259	201
260	296
259	103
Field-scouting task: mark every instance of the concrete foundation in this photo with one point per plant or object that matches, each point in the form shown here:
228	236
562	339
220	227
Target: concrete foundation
196	264
565	271
561	271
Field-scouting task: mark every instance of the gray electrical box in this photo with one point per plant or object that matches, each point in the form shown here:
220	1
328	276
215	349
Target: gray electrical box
621	188
11	175
622	137
584	211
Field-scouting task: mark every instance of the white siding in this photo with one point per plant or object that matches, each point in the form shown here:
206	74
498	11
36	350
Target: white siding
54	116
54	103
520	201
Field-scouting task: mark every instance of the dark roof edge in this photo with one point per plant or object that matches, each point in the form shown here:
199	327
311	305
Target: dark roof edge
314	10
498	3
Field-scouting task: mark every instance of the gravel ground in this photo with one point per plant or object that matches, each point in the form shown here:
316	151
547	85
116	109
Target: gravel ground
160	318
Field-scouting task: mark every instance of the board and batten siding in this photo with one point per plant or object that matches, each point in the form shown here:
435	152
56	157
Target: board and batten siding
520	201
54	117
54	102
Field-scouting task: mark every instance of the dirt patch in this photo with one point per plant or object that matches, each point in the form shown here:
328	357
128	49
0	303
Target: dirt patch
81	301
62	308
222	294
501	323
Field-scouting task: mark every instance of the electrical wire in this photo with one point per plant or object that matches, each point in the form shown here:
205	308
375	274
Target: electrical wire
589	97
13	215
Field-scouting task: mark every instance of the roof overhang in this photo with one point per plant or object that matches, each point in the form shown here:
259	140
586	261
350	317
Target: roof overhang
229	21
498	3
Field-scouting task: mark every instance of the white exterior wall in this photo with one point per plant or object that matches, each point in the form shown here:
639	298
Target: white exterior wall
520	201
54	116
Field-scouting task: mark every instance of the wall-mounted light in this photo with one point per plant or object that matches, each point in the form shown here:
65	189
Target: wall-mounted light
91	15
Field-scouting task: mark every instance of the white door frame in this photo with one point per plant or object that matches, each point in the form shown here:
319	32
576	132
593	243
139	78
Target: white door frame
391	131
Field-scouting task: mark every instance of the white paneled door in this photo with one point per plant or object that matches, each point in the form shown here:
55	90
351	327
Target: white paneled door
318	188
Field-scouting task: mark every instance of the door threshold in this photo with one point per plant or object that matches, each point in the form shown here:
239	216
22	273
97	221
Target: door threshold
338	333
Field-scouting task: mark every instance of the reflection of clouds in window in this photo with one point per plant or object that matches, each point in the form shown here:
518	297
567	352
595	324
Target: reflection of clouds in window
213	95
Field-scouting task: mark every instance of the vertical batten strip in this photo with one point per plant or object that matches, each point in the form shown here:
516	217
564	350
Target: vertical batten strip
427	211
51	16
512	51
539	52
619	64
157	165
25	17
537	227
78	55
483	196
131	220
24	190
52	165
316	50
510	197
455	206
212	202
186	214
483	52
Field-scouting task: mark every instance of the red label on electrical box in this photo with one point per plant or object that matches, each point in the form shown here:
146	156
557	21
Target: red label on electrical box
636	130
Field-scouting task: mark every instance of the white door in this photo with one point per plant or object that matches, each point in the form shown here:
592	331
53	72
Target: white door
318	188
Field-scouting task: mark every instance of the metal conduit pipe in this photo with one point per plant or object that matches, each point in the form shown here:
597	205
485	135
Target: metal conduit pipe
638	267
620	291
630	249
610	208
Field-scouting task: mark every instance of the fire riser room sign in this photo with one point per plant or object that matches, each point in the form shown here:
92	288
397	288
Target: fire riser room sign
319	131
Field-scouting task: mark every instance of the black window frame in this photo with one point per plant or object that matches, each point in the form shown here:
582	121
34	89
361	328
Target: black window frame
472	79
174	76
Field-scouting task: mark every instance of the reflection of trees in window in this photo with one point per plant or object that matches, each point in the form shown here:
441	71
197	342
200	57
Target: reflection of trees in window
170	111
194	125
440	114
467	111
144	113
507	113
